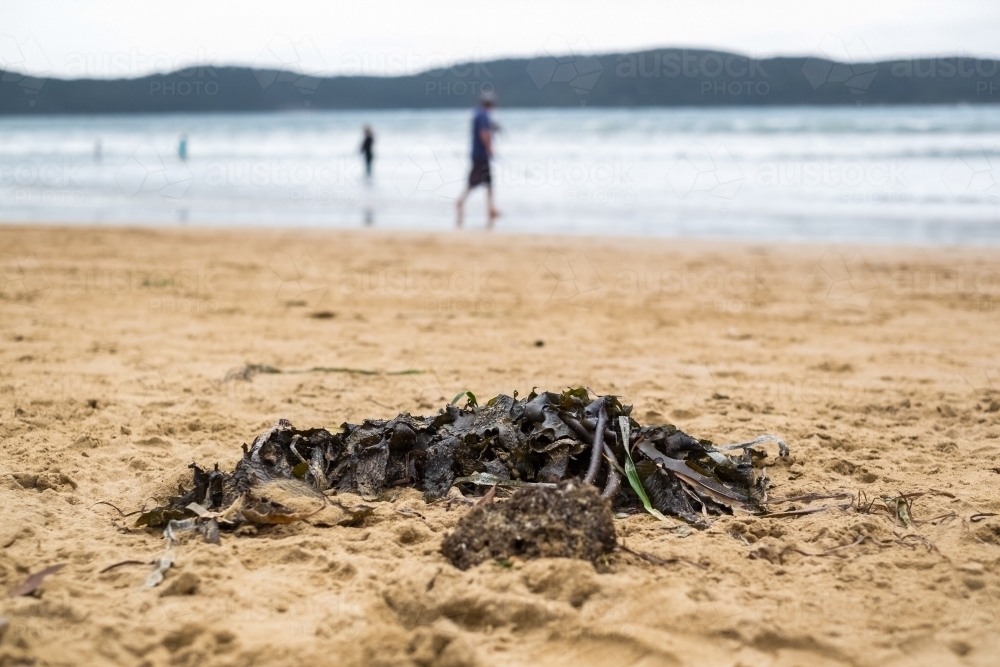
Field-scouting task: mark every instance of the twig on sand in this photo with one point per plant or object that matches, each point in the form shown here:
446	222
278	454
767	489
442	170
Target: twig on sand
649	558
942	518
809	497
122	563
768	553
656	560
799	512
861	538
249	371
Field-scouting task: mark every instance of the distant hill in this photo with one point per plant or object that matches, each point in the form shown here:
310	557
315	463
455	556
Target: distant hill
662	77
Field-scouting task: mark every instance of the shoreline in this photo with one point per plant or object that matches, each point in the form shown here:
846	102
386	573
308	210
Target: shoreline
478	232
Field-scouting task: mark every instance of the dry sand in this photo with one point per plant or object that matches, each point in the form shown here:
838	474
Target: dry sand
875	364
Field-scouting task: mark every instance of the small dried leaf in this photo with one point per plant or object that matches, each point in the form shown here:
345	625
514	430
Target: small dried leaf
155	578
210	531
282	501
31	584
486	479
488	497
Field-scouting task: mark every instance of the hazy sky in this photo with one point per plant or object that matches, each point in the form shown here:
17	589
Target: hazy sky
115	38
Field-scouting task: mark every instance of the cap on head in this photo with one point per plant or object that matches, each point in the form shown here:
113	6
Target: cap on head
488	98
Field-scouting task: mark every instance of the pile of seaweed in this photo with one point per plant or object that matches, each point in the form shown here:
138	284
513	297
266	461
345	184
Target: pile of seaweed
541	439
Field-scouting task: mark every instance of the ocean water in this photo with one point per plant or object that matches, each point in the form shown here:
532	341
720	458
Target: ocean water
921	175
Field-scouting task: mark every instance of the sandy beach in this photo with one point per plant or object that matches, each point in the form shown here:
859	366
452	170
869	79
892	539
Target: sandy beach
878	366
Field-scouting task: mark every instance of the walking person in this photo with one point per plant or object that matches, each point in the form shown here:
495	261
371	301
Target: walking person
482	152
367	149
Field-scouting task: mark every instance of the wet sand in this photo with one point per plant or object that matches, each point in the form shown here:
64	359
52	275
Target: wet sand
879	367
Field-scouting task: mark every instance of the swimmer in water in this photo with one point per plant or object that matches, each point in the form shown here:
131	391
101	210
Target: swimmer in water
367	146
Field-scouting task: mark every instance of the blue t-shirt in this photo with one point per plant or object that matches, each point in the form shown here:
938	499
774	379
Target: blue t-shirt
481	121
